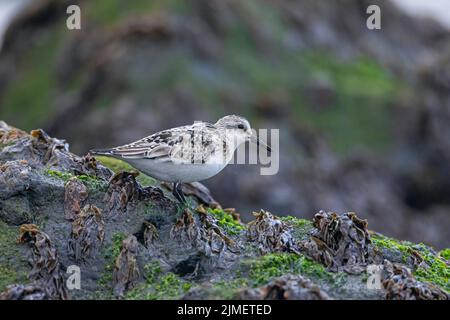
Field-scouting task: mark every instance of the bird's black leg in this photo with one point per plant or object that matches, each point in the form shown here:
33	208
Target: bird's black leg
180	192
177	193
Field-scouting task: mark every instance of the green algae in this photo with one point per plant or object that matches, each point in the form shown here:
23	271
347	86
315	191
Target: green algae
92	183
302	227
227	289
225	220
117	165
12	264
158	285
445	254
432	269
435	269
267	267
110	254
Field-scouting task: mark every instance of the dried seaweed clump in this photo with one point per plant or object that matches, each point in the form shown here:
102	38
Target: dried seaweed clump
10	134
150	234
126	271
206	236
44	260
50	150
32	291
271	234
88	165
339	242
400	284
75	194
41	150
122	190
87	232
289	287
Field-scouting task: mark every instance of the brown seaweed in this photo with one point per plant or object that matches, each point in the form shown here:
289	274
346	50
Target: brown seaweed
75	194
87	232
44	261
123	189
271	234
339	242
400	284
203	234
150	234
126	271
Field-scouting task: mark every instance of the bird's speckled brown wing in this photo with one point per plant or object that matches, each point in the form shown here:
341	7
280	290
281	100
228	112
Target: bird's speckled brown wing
188	144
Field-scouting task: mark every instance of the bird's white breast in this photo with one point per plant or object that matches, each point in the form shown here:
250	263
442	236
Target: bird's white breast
171	172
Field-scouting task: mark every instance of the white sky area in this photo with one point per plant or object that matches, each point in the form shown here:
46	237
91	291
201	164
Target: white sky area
438	9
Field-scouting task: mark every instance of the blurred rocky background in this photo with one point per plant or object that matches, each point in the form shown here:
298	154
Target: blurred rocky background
363	114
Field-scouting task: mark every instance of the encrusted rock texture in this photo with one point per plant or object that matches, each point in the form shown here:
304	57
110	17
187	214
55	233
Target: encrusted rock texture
60	213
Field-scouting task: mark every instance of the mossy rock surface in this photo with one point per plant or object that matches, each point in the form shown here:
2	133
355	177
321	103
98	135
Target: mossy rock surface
135	242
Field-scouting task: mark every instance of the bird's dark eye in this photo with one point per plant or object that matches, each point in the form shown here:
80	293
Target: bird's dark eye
241	126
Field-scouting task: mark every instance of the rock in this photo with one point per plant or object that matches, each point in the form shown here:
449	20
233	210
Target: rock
22	292
134	242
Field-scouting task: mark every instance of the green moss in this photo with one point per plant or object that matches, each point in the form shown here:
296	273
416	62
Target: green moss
227	289
167	286
117	165
400	247
435	269
111	253
65	176
302	227
92	183
227	221
12	264
445	254
267	267
158	285
152	271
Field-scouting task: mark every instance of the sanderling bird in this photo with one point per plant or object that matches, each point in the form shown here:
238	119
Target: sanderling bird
186	154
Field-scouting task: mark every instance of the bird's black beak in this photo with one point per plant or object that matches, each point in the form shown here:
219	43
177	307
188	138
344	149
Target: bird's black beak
254	138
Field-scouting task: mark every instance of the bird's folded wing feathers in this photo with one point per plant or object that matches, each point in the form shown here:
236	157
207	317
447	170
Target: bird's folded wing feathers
184	145
142	150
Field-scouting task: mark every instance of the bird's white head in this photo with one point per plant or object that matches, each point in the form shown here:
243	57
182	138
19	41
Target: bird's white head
239	129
